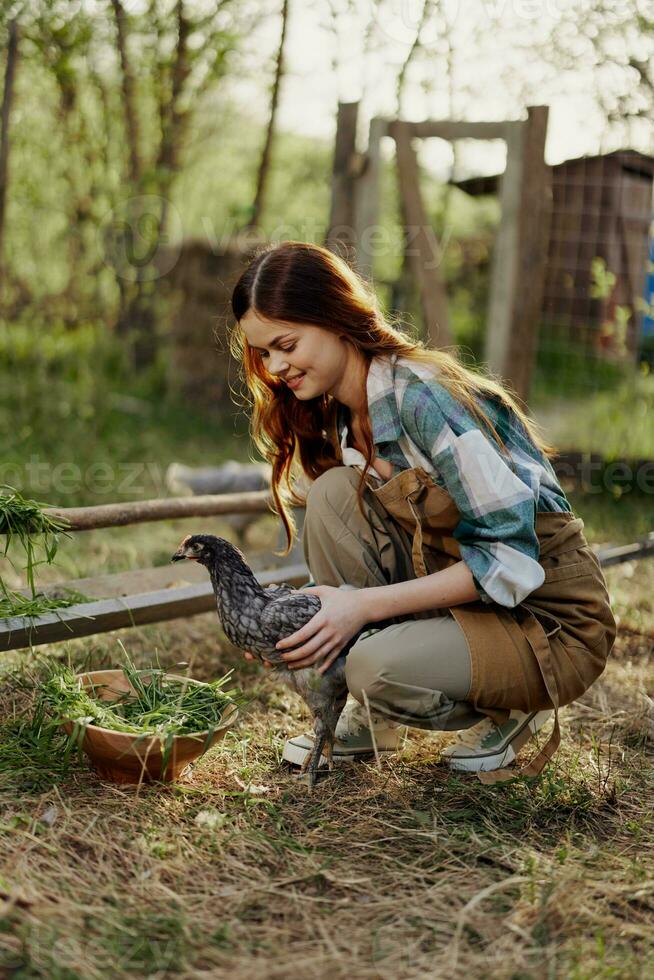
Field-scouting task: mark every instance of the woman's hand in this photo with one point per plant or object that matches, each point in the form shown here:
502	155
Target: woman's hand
342	615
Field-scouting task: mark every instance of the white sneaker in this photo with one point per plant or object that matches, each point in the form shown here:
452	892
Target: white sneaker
487	746
353	737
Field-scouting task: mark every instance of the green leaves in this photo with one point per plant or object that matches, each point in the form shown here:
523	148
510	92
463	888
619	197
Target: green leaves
602	279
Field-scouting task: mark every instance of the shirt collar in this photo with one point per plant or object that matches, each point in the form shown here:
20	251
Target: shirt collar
382	402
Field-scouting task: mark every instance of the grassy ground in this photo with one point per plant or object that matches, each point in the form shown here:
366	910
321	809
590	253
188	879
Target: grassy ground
617	423
409	871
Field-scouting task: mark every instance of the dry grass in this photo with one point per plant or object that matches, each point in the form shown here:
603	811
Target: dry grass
409	872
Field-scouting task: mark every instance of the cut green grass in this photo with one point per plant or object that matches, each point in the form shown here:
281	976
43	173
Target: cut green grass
156	704
25	522
16	604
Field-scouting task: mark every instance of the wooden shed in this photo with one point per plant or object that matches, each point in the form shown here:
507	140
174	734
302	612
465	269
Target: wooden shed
601	208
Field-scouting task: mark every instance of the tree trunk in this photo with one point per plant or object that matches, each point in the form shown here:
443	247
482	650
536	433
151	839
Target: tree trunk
264	165
7	100
129	93
173	119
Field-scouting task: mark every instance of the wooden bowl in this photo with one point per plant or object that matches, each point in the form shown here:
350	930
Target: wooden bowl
121	757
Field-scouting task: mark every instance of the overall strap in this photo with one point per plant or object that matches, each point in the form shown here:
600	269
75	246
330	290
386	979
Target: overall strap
417	553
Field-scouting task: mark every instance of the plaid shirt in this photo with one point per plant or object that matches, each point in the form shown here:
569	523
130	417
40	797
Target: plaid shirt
416	422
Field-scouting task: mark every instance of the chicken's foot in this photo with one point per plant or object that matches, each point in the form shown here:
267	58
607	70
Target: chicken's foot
322	745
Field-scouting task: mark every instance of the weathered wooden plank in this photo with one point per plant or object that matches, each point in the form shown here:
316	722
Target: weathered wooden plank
451	129
89	618
135	581
533	234
422	248
627	552
139	580
504	262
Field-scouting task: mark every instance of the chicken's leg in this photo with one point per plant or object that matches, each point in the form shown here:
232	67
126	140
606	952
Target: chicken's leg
322	745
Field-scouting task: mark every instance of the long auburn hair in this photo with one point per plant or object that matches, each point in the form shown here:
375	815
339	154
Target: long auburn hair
298	282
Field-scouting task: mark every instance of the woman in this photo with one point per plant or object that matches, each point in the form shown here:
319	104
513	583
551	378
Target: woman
434	519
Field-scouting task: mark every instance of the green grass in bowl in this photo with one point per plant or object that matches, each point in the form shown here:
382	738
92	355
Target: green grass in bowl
158	705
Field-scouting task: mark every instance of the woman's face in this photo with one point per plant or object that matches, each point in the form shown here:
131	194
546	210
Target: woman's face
322	361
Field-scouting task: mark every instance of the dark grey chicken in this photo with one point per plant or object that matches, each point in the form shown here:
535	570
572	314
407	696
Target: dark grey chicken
255	619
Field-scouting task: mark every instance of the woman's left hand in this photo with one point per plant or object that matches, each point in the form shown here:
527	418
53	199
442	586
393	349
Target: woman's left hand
342	615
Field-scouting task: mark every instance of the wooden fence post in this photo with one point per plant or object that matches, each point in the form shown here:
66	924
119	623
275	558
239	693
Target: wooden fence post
342	215
520	253
367	200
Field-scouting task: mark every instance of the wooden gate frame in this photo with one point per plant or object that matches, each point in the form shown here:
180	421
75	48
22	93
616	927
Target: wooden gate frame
520	252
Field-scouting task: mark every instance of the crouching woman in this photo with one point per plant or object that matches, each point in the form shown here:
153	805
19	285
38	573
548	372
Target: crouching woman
436	532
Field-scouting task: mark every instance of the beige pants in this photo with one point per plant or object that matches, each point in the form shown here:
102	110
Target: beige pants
416	670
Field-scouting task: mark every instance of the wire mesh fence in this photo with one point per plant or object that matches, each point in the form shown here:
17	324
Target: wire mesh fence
594	304
597	315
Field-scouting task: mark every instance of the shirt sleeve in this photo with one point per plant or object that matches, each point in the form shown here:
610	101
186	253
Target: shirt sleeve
496	533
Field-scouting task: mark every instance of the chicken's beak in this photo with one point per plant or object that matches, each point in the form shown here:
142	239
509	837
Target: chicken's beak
179	555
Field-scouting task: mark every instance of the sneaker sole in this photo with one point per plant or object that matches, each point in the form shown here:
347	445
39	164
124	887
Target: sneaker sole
487	763
297	755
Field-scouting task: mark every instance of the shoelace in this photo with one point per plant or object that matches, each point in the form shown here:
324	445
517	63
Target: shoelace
355	717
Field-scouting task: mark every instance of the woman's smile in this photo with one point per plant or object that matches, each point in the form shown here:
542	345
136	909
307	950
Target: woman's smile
296	381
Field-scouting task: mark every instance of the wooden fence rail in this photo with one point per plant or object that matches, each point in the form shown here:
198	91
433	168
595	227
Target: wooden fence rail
133	609
168	508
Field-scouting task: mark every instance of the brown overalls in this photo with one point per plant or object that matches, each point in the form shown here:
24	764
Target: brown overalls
543	653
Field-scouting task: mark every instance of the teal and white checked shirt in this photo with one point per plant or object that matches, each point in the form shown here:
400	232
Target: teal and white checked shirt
416	422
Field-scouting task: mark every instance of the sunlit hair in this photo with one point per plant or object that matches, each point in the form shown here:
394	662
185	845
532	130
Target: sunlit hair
297	282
